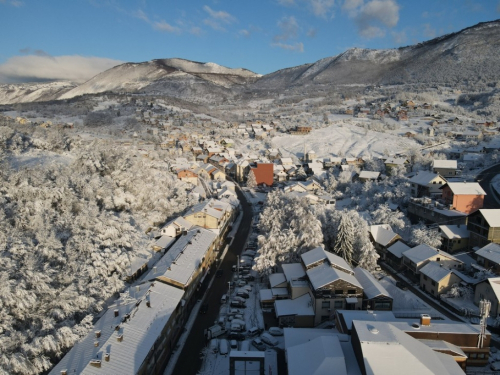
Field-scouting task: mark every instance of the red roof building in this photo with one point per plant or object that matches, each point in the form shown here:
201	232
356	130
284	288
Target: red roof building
264	173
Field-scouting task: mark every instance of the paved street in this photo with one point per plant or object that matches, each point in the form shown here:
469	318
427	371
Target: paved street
484	179
190	361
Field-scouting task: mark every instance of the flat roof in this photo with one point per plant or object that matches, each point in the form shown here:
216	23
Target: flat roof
302	306
293	271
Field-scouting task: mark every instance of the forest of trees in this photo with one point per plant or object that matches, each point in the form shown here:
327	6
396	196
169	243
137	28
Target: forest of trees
67	234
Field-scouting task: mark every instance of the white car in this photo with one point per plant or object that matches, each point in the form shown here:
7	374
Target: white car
276	331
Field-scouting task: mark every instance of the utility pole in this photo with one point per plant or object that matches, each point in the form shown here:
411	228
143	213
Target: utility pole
238	267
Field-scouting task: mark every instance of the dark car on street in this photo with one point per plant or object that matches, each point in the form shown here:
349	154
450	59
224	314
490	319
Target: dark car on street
236	336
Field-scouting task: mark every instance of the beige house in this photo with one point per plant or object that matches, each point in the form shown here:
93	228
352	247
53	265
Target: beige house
436	279
426	184
490	290
455	237
417	257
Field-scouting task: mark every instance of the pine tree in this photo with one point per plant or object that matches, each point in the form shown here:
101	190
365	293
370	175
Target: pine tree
344	243
251	180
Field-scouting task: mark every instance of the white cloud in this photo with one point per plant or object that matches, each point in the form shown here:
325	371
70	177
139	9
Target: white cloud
217	18
373	17
429	31
297	47
311	33
244	32
141	15
164	26
289	29
321	8
37	68
14	3
195	30
352	4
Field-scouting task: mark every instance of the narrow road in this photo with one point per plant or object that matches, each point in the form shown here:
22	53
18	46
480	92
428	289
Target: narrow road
484	178
190	360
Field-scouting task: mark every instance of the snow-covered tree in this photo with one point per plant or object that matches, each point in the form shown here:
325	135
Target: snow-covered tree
421	234
344	242
301	174
251	180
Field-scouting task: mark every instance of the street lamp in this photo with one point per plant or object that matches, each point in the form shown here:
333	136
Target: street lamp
238	267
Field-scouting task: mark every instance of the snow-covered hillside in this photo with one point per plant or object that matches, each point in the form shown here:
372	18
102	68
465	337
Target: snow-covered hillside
348	140
32	92
165	74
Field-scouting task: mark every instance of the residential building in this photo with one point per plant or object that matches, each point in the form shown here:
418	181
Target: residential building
426	184
489	289
465	197
446	168
394	254
382	237
264	173
392	163
417	257
375	296
368	176
484	227
455	238
489	257
436	279
432	211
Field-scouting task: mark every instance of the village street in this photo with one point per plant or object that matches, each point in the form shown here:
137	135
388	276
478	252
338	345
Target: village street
484	178
189	360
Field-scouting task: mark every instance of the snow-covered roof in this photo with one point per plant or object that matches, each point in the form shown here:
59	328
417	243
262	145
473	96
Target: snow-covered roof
492	216
382	234
371	287
420	253
276	279
164	242
279	292
302	306
205	207
293	271
490	252
438	345
184	257
434	271
424	178
140	332
266	295
398	248
396	161
319	254
317	357
324	274
445	164
369	175
386	350
465	188
454	231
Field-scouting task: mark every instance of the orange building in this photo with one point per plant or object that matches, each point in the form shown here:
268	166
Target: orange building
264	173
465	197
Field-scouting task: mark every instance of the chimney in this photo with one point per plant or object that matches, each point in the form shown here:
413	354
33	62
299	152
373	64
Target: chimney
97	334
425	320
64	372
106	357
95	363
148	303
119	338
117	312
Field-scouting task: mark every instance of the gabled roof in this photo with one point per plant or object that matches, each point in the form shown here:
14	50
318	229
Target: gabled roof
319	254
323	275
492	216
302	306
369	175
317	357
490	252
398	248
465	188
454	231
424	178
205	207
495	285
371	287
293	271
445	164
276	279
382	234
420	253
435	271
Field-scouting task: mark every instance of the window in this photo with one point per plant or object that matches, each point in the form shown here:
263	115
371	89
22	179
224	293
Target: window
434	182
425	277
438	259
351	291
433	283
325	304
480	355
339	291
338	304
473	355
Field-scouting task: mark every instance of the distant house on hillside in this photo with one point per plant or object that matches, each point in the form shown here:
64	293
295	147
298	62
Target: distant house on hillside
445	168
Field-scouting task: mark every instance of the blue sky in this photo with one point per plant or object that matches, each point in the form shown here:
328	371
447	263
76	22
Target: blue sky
61	39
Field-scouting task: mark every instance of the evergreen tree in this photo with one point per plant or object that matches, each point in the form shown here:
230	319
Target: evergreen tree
344	243
251	180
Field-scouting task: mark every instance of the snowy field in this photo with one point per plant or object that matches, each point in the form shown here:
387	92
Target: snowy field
36	158
346	140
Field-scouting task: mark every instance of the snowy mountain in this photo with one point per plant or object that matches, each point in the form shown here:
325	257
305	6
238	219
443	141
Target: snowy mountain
176	77
470	55
33	92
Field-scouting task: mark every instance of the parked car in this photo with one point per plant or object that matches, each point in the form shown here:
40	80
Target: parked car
214	345
204	308
223	299
241	283
236	336
248	288
276	331
254	331
223	348
258	344
235	311
237	303
249	277
241	299
234	344
268	339
243	294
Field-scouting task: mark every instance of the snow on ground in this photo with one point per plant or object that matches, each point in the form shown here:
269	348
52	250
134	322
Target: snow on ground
346	140
37	158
